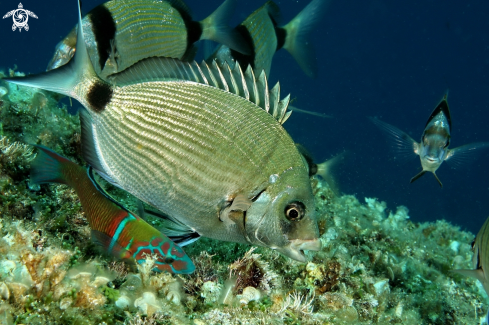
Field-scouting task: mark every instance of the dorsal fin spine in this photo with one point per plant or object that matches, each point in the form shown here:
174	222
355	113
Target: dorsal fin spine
228	77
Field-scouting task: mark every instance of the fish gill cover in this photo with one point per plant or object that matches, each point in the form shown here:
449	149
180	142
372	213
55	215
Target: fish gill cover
376	265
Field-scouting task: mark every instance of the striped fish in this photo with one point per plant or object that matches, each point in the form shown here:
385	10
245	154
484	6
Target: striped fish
433	148
480	259
264	36
119	232
201	144
119	33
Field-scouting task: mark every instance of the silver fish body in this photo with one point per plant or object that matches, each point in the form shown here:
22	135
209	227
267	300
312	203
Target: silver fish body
203	145
190	150
119	33
264	36
433	149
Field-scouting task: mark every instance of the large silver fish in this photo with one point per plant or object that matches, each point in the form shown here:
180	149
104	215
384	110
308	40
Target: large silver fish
264	36
203	145
119	33
433	148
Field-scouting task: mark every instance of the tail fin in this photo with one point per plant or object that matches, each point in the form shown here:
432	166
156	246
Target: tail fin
48	167
325	171
216	28
64	79
297	41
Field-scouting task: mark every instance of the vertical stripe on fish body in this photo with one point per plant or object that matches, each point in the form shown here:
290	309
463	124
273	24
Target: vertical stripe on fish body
120	33
260	28
147	28
119	232
264	36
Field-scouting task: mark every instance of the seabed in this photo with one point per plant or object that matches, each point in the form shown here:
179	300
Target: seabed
375	267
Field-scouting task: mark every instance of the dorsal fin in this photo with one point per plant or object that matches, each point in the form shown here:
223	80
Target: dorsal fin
233	80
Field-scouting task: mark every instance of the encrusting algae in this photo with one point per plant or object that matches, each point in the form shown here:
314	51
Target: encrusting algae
375	265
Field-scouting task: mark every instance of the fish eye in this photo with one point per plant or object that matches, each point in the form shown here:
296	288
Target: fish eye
169	260
295	211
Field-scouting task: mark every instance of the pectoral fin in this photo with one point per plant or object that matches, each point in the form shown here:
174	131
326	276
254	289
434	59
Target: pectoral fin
463	156
235	213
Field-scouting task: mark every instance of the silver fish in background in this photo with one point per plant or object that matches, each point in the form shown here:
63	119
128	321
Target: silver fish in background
201	144
480	259
433	148
264	36
120	33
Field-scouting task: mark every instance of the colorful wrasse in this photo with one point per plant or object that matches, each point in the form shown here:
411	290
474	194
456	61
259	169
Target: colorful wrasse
264	36
120	232
201	144
433	148
120	33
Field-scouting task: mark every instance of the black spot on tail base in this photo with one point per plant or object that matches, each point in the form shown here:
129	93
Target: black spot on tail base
281	36
104	29
99	96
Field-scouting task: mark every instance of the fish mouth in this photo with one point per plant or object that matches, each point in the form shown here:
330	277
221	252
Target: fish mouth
295	250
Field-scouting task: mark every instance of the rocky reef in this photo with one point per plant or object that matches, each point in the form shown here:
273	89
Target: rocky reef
375	267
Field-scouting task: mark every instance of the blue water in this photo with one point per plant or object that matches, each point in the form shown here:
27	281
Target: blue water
383	58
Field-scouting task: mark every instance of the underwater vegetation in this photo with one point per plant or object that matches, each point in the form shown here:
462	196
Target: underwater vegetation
375	265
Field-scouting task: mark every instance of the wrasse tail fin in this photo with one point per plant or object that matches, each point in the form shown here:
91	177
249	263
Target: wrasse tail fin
178	232
465	155
298	30
64	79
48	167
216	28
421	173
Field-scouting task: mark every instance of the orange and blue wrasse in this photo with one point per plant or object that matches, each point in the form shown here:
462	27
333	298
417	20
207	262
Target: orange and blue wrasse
433	148
121	233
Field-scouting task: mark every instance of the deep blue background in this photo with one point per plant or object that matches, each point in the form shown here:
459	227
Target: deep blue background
391	59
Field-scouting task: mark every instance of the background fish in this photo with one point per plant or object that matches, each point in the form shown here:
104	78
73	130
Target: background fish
480	259
118	231
265	37
433	148
193	142
119	33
